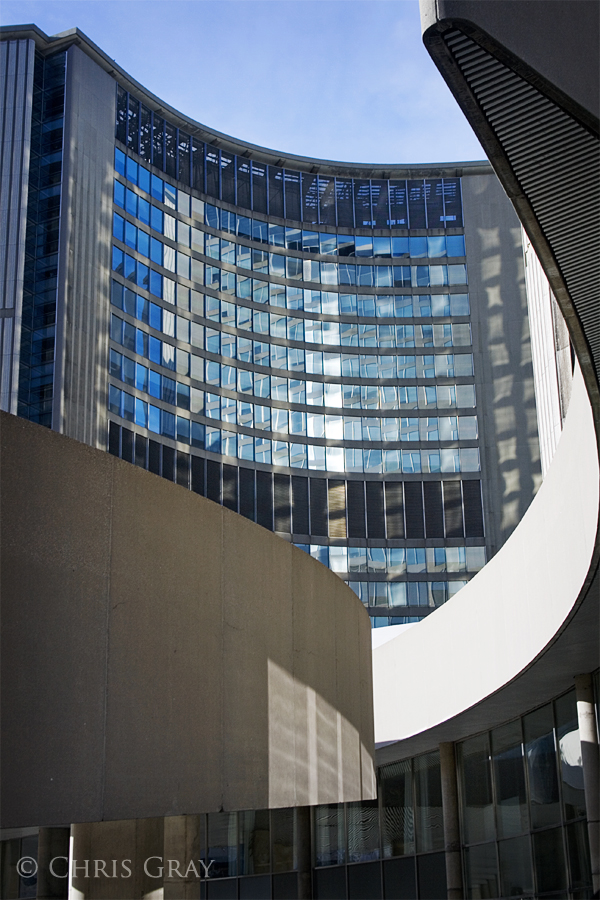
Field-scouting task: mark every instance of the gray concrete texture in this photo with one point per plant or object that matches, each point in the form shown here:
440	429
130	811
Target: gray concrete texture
162	655
545	35
83	310
510	454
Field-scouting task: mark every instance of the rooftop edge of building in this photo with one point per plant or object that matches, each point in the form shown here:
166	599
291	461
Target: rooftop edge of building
74	36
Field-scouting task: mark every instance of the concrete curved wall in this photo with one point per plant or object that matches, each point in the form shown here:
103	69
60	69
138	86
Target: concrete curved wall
505	617
162	655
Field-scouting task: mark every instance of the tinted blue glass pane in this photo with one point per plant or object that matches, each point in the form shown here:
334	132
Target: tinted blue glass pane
117	260
144	179
154	419
141	309
400	246
141	377
183	430
244	226
170	196
259	231
168	390
114	400
156	251
116	294
455	244
154	350
211	215
348	304
119	194
459	304
143	211
156	219
183	396
141	413
167	423
143	275
116	329
197	434
130	235
129	267
131	170
131	202
127	401
418	246
157	188
141	342
156	284
143	243
154	379
118	226
155	317
366	305
119	161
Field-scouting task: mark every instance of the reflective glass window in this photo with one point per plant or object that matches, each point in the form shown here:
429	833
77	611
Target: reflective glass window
516	875
363	826
428	802
549	860
330	841
509	777
293	238
481	871
541	763
344	202
455	244
363	245
476	790
570	756
223	842
254	842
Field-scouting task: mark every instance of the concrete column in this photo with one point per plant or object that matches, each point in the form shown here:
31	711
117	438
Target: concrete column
304	850
454	877
117	860
182	847
53	843
588	735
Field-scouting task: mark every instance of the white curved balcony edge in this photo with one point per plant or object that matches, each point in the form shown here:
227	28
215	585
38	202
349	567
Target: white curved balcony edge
505	616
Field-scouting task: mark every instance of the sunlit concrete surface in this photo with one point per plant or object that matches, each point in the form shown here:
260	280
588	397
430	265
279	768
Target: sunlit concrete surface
163	655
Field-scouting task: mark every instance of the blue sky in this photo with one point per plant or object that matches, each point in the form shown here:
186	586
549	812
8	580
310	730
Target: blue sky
336	79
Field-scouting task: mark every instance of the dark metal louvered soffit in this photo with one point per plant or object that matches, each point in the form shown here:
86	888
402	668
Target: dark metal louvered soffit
547	158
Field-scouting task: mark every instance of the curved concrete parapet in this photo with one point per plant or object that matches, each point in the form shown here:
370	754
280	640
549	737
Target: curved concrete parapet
165	655
508	614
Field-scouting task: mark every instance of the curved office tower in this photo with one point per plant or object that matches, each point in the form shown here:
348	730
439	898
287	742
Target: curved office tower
186	301
338	352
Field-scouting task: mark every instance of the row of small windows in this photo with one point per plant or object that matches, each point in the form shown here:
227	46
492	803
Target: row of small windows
267	418
278	356
291	328
301	240
311	302
298	455
522	818
378	595
412	510
397	561
268	263
285	193
308	271
287	390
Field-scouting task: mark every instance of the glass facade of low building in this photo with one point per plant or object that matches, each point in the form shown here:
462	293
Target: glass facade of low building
522	823
299	349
